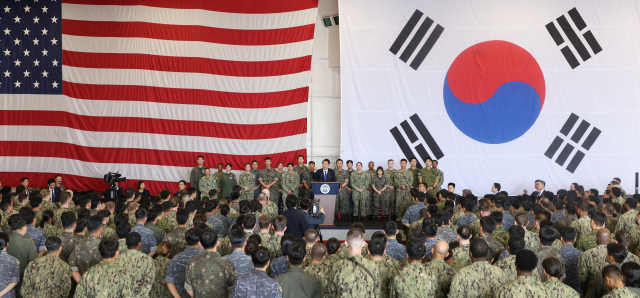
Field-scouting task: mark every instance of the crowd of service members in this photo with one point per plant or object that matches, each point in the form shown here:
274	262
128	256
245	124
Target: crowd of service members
542	245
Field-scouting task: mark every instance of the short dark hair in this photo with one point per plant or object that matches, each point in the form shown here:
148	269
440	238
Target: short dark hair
464	232
479	248
526	260
488	224
182	216
53	243
237	238
617	251
568	234
291	201
547	236
108	248
497	185
469	206
4	240
81	225
429	229
416	249
285	243
123	230
632	202
515	244
599	218
376	247
631	271
390	228
260	257
208	239
612	272
191	206
16	222
141	214
68	219
133	239
192	236
296	254
94	223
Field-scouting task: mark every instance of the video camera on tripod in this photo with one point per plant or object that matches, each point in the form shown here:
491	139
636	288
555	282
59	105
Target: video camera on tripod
111	178
315	208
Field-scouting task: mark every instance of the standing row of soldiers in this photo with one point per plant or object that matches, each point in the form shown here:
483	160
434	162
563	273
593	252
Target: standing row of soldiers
363	193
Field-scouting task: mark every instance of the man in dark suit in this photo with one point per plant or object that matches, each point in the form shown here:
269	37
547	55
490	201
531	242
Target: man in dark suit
296	222
55	191
119	196
325	174
537	195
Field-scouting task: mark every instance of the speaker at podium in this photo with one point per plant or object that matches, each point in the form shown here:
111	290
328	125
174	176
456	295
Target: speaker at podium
326	192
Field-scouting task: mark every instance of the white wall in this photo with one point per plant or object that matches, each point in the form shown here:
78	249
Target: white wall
323	122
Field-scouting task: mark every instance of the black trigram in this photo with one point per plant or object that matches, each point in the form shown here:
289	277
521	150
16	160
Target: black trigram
417	38
573	37
426	136
575	138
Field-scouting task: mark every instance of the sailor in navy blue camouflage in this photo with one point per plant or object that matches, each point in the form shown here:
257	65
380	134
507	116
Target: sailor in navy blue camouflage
37	236
571	255
413	213
228	222
176	270
396	250
507	221
444	233
256	284
241	262
279	266
149	244
9	272
218	225
466	220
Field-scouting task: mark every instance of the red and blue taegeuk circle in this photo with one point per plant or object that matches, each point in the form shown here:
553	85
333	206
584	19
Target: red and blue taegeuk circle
494	91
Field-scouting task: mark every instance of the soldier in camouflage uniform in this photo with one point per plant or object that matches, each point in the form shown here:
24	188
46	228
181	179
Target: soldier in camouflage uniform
86	254
161	263
402	181
208	182
106	276
588	241
355	276
493	244
301	169
227	182
307	178
440	175
415	280
319	270
196	174
627	221
342	199
508	264
525	285
65	199
547	237
582	225
379	186
277	196
290	182
176	238
443	272
593	261
389	174
256	283
268	178
389	267
360	182
48	276
480	279
414	171
138	265
246	181
209	275
176	270
429	176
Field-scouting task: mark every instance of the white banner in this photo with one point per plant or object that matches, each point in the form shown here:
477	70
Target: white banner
502	91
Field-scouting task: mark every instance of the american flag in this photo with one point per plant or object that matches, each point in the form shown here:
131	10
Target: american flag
145	86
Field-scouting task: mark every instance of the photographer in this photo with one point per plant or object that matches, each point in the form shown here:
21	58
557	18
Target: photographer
312	222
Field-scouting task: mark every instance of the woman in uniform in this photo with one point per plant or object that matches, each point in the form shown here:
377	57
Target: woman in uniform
360	181
379	185
247	181
228	181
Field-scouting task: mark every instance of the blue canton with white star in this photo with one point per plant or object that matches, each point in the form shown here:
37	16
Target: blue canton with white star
31	47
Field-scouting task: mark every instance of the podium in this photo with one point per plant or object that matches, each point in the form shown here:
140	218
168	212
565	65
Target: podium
326	192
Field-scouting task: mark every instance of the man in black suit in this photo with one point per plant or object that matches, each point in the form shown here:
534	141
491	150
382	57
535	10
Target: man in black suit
55	191
296	222
537	195
325	174
119	195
